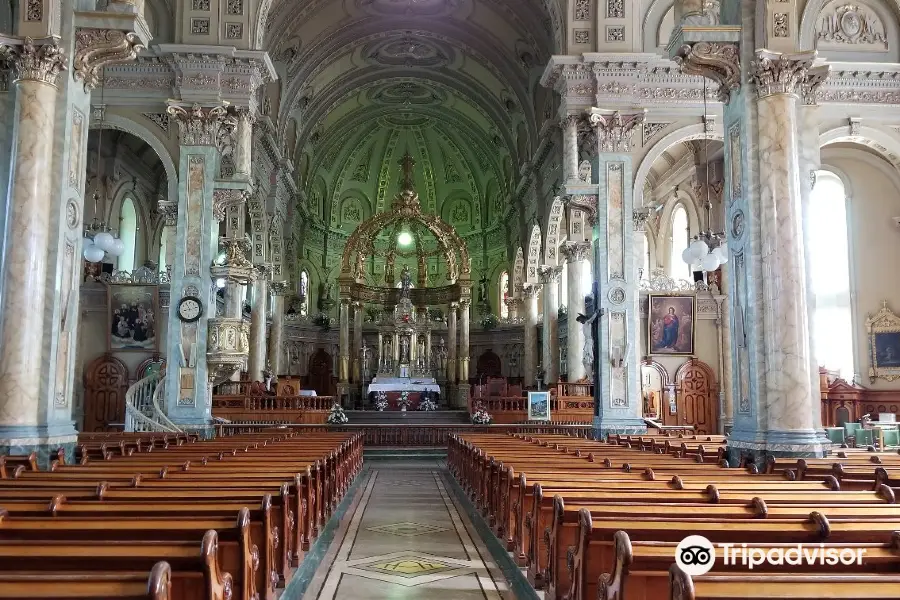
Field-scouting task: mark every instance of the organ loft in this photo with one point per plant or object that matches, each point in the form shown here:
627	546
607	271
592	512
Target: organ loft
440	299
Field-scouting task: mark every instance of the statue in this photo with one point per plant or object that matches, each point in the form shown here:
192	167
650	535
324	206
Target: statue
328	288
584	171
405	282
482	289
388	356
591	334
404	350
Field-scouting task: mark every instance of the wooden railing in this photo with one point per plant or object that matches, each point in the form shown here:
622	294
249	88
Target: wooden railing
571	403
416	436
274	409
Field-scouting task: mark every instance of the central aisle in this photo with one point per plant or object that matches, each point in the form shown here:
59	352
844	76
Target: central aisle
405	537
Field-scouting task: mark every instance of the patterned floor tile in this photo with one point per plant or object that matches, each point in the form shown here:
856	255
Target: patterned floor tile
407	529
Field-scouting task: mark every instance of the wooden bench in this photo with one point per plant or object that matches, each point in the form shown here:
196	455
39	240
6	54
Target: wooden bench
155	585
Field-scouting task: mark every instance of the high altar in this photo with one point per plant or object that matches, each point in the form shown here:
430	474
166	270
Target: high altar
414	350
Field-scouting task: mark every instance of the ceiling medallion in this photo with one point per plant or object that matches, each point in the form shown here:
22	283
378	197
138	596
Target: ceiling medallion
406	94
409	51
409	7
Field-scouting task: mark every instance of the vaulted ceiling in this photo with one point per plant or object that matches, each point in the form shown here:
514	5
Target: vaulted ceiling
453	82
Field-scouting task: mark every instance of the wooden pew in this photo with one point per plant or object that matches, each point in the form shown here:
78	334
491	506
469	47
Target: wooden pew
155	585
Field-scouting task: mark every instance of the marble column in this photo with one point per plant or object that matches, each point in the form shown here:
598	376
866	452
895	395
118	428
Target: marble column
723	323
344	341
258	319
357	347
451	342
576	261
463	354
530	293
570	147
790	396
22	331
243	146
512	306
550	282
276	331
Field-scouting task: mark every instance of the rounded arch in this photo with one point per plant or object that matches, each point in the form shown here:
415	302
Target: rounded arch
695	363
653	20
814	7
518	272
533	259
123	123
684	134
883	142
659	368
555	231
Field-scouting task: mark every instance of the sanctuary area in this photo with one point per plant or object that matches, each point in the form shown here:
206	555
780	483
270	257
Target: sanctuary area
449	299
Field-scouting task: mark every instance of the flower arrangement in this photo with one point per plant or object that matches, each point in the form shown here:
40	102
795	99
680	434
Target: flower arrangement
381	401
488	321
404	400
481	416
427	405
337	415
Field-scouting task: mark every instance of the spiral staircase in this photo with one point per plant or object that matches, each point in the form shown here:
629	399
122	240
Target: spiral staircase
142	406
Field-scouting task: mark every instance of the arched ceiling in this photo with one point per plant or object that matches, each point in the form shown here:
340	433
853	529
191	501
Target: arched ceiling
454	82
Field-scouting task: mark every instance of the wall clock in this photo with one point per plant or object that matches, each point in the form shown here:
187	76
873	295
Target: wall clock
190	309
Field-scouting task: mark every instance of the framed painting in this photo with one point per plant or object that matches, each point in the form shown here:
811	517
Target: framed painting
883	329
538	406
670	324
133	318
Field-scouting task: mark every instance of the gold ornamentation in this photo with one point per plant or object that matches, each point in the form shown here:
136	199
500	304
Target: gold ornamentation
98	48
883	329
228	346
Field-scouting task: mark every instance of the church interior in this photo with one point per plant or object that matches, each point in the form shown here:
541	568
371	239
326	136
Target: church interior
449	299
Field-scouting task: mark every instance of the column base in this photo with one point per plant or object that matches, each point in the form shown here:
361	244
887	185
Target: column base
604	427
461	397
747	447
44	440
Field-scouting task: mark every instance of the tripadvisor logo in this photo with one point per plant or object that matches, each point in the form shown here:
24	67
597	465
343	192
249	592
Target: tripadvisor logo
695	555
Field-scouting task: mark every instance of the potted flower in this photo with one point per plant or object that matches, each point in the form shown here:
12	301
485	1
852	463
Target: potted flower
381	401
427	405
337	415
481	416
404	400
488	322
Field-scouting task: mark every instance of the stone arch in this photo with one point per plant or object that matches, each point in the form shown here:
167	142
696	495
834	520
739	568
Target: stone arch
653	19
813	8
533	259
518	273
554	231
885	144
684	134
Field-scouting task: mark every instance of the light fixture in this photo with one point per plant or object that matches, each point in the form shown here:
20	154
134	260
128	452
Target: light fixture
405	238
98	237
708	250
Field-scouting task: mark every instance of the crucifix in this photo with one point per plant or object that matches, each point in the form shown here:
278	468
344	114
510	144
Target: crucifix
407	163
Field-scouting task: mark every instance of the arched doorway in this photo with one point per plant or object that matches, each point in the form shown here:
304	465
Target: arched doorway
697	397
320	373
105	384
488	365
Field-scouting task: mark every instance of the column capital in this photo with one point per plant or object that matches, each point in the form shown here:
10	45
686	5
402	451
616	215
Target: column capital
169	211
571	121
280	288
639	218
531	290
575	251
243	114
548	274
225	198
465	303
614	129
97	48
454	305
779	73
719	61
810	85
41	62
200	125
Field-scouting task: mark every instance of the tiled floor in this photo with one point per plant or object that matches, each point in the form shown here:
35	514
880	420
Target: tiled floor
405	538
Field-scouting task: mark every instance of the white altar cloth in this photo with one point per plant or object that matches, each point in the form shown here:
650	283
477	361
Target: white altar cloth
402	384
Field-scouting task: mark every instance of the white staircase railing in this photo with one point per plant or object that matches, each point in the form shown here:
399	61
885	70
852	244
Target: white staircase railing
158	413
141	409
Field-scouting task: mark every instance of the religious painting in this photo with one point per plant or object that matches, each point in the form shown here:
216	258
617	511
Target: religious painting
133	318
670	324
884	344
538	406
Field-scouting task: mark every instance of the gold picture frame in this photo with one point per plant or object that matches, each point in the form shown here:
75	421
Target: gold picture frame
883	329
675	338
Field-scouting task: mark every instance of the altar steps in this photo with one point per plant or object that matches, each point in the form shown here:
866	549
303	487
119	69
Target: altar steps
412	417
406	454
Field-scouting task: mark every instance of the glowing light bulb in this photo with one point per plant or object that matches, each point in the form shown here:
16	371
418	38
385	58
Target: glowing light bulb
405	238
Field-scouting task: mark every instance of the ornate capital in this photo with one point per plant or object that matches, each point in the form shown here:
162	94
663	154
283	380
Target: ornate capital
570	121
777	73
201	126
815	77
243	115
169	210
225	198
586	204
236	252
548	274
531	290
615	130
98	48
719	61
639	218
35	62
576	251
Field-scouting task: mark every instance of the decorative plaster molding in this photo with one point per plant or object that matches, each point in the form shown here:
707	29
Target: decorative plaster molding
98	48
615	131
225	198
35	62
575	251
199	126
777	73
719	61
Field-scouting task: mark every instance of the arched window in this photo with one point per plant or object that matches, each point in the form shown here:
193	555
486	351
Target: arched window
128	234
304	293
681	239
829	258
645	266
503	293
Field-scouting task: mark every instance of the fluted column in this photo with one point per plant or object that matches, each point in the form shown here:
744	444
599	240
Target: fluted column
530	293
550	282
576	261
357	341
464	310
570	148
28	225
276	331
258	318
790	395
344	341
451	342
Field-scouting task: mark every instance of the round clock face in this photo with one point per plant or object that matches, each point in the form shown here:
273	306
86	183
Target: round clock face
189	309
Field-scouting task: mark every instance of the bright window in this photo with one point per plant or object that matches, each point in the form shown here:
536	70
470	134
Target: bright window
645	272
681	238
128	234
829	259
503	292
304	293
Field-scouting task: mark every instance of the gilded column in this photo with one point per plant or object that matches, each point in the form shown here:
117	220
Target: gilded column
276	332
576	265
357	341
451	342
790	396
550	281
344	341
530	293
22	329
258	318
